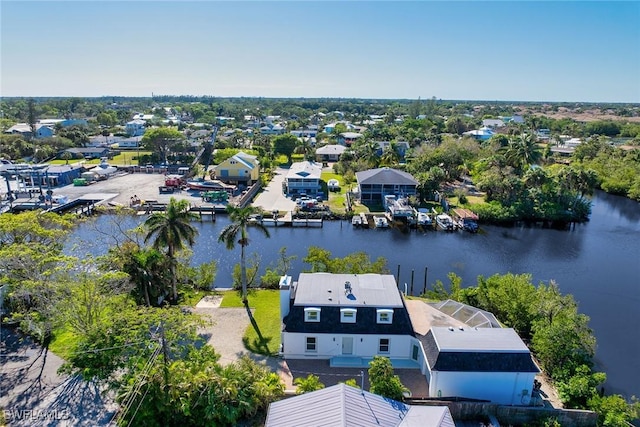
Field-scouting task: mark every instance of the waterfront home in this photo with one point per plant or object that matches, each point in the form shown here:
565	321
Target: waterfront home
303	178
330	153
241	168
343	405
479	363
374	184
346	318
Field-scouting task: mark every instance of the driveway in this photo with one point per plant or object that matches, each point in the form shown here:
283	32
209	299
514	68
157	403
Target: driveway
225	333
32	393
272	198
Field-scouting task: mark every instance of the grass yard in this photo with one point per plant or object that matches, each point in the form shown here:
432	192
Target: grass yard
64	342
266	312
125	158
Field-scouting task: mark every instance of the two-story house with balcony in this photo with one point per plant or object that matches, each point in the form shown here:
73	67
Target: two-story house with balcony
374	184
346	318
241	168
303	178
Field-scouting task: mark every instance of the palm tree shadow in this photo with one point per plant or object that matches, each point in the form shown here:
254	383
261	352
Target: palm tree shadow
261	345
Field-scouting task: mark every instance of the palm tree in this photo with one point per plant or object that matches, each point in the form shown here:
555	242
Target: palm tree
240	221
171	230
390	155
523	151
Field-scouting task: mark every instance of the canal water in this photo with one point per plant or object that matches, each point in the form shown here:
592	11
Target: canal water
598	262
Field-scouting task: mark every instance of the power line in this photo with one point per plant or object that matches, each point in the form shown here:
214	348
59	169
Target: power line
132	394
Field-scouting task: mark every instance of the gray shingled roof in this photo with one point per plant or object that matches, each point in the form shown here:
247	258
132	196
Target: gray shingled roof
385	176
342	405
477	350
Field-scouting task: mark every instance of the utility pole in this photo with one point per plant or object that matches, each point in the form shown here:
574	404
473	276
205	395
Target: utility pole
165	357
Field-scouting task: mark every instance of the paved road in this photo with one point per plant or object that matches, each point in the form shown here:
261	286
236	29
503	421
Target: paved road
32	393
272	198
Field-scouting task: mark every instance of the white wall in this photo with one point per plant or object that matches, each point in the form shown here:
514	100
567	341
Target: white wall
499	387
330	345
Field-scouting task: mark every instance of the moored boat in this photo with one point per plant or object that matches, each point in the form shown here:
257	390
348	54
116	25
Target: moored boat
203	185
356	221
424	220
380	222
445	222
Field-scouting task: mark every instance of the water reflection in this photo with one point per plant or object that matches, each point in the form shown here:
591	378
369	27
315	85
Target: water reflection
597	262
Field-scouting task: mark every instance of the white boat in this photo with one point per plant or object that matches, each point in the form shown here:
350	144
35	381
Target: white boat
380	222
445	222
356	221
424	219
363	220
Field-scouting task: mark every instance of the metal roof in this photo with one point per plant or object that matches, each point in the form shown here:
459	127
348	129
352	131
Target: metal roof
494	340
343	405
348	290
305	170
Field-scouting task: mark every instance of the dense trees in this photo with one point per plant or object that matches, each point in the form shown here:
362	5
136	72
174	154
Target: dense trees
162	141
559	337
321	260
285	145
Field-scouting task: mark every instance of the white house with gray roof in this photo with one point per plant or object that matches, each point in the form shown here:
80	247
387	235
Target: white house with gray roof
303	177
374	184
330	153
479	363
343	405
346	318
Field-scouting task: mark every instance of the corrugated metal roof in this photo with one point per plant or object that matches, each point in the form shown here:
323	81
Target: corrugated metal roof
343	405
372	290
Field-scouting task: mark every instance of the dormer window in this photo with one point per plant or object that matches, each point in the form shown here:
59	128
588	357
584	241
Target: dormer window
385	315
348	315
311	314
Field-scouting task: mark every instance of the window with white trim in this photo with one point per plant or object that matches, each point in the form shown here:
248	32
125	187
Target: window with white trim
311	345
383	347
385	315
348	315
311	314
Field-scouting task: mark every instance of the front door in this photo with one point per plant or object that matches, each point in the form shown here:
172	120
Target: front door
347	345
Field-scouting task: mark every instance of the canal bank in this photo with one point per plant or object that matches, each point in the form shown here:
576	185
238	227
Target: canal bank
597	262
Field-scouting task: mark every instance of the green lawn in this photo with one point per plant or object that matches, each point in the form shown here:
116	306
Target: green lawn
123	159
266	312
64	342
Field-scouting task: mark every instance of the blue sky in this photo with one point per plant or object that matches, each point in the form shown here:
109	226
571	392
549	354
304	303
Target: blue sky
507	50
